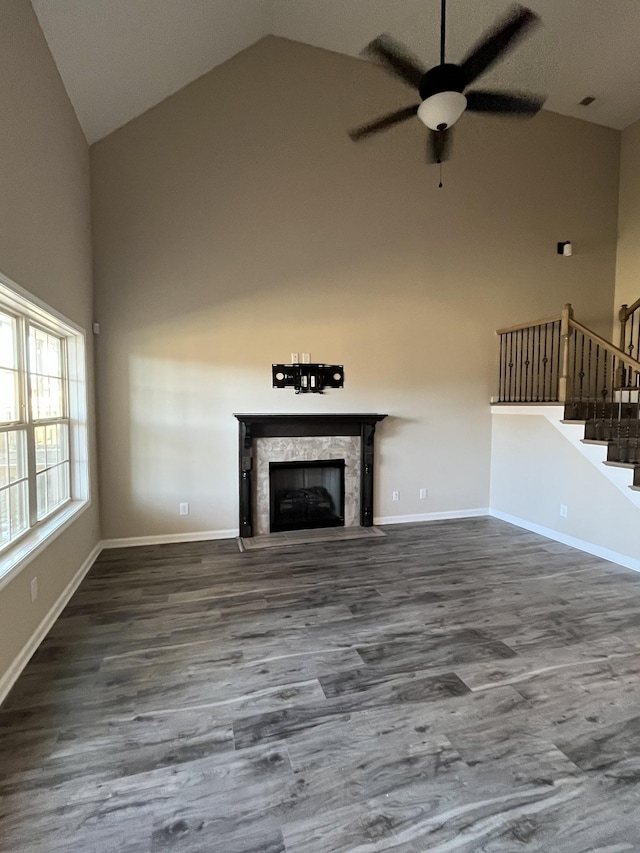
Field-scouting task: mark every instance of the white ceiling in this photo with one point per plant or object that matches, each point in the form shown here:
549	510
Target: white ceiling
118	58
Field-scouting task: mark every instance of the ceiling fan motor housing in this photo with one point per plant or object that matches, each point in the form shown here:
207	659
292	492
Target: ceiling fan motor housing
441	78
442	100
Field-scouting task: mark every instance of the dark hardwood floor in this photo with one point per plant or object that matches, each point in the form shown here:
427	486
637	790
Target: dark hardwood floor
453	686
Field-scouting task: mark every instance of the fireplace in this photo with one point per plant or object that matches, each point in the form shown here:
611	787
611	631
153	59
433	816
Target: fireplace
266	439
306	495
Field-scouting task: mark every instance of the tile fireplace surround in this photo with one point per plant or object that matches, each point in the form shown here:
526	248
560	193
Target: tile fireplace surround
267	438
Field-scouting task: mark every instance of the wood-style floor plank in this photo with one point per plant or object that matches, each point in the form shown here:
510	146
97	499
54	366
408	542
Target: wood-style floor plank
452	686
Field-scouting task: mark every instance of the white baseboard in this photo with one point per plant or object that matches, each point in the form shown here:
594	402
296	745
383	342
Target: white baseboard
170	538
11	675
431	516
579	544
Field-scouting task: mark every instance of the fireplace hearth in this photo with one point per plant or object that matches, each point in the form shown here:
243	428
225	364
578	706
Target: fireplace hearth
266	439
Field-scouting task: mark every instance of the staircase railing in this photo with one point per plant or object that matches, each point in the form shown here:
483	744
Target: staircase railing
559	360
530	361
630	329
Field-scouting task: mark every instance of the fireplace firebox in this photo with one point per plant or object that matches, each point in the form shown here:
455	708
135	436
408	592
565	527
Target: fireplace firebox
305	495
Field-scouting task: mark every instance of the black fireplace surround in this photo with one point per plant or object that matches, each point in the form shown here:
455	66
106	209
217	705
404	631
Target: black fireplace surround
286	425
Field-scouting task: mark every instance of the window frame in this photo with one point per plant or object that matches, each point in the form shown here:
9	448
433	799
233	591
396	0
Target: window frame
31	313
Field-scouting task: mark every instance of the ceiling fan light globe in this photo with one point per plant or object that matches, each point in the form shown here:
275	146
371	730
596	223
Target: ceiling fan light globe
442	110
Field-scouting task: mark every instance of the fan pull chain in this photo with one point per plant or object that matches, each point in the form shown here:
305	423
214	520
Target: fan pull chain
440	184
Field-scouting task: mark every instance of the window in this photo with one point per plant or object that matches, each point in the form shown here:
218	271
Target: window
43	468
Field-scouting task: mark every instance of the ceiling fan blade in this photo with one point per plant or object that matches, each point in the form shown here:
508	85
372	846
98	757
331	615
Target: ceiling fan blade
383	123
438	146
497	41
396	59
505	103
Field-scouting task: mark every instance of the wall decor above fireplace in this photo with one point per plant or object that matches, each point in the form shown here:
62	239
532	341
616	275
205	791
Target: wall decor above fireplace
307	378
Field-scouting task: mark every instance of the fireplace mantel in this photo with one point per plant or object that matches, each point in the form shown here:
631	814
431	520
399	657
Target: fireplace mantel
254	426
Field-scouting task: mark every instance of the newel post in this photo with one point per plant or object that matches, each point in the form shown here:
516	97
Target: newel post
621	371
623	316
564	389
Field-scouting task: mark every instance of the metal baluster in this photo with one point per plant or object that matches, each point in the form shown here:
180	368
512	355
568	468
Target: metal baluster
526	371
519	352
592	383
613	390
581	374
544	364
556	362
617	371
537	374
511	366
636	442
604	391
576	386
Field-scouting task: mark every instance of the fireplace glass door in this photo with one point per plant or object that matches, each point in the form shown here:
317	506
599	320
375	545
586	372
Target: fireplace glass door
305	495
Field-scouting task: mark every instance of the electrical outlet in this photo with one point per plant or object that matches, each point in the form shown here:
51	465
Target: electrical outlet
294	358
423	494
184	509
306	358
34	589
395	496
563	510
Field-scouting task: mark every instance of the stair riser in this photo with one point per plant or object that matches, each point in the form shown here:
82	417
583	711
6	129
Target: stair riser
605	432
621	453
584	411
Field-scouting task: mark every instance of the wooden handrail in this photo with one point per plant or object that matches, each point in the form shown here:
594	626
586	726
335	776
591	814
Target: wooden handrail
619	354
533	325
627	310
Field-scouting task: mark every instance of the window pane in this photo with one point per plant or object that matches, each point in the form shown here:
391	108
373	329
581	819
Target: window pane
7	341
51	442
5	520
63	442
53	497
17	441
46	370
46	397
45	353
52	489
63	481
4	460
18	504
41	448
41	495
57	444
8	395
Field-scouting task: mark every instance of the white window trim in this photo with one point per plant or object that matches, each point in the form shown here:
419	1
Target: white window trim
17	300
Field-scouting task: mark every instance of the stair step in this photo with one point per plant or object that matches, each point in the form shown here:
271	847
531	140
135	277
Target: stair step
629	465
588	410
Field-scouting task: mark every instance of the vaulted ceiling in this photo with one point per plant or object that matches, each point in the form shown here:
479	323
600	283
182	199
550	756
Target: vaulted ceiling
118	58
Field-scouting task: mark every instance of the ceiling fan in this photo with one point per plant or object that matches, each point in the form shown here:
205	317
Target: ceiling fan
443	89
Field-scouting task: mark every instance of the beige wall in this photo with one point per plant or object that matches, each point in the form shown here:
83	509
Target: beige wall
45	247
236	223
535	469
628	266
